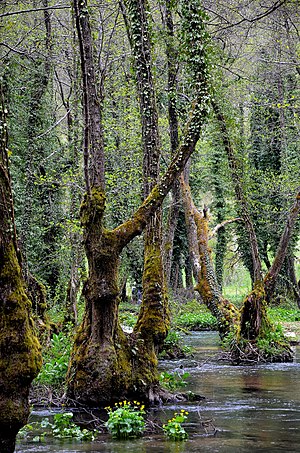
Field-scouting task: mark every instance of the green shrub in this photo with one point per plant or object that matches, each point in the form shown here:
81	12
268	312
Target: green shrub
55	361
173	381
173	429
64	427
127	318
126	421
197	321
279	314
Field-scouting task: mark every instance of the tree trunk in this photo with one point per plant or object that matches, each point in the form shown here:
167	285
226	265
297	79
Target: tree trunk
106	365
207	285
172	61
272	274
19	348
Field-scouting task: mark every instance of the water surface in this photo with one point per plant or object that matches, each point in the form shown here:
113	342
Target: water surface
253	409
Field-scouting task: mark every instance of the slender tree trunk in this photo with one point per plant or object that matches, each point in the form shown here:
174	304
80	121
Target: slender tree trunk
172	61
272	274
19	348
153	320
207	285
190	223
239	193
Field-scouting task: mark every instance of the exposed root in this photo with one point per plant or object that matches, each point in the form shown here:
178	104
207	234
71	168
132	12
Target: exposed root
249	353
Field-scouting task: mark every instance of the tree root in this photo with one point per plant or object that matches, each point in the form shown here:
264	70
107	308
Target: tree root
249	353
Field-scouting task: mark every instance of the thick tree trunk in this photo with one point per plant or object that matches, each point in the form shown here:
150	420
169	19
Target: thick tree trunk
107	365
100	368
20	357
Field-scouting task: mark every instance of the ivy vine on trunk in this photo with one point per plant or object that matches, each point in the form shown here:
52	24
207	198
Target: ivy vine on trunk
107	364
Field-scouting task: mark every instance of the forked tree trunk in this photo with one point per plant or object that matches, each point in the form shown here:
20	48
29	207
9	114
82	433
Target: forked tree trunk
106	364
20	356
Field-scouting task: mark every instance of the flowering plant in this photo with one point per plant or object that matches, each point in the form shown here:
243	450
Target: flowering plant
173	429
126	420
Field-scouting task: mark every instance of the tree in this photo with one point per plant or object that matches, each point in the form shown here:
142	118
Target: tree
251	324
19	348
107	364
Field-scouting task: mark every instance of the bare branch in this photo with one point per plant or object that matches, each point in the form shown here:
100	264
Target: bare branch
222	225
14	13
269	11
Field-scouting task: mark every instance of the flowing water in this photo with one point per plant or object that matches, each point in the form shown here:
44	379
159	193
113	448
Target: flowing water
246	409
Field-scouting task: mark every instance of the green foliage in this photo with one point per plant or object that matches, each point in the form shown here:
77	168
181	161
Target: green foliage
197	321
174	347
63	427
269	343
128	318
25	431
278	314
173	381
173	429
173	339
56	360
126	420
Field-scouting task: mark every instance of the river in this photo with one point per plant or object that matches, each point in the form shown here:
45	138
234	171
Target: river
246	409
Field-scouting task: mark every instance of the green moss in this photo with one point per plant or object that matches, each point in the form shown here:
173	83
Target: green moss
92	208
19	348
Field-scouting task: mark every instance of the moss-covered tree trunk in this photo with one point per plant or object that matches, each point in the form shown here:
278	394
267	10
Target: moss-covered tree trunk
207	284
20	356
101	364
153	321
107	365
254	323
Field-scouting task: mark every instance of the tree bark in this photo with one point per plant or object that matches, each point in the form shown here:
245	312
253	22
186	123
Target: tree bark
273	272
172	61
20	356
107	365
207	285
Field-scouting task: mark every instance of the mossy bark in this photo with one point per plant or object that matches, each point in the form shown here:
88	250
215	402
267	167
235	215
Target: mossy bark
20	356
107	365
99	365
208	287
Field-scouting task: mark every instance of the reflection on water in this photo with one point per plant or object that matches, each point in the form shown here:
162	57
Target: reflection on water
254	408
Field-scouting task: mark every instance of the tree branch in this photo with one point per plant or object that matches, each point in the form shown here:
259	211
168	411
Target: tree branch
222	225
270	278
14	13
